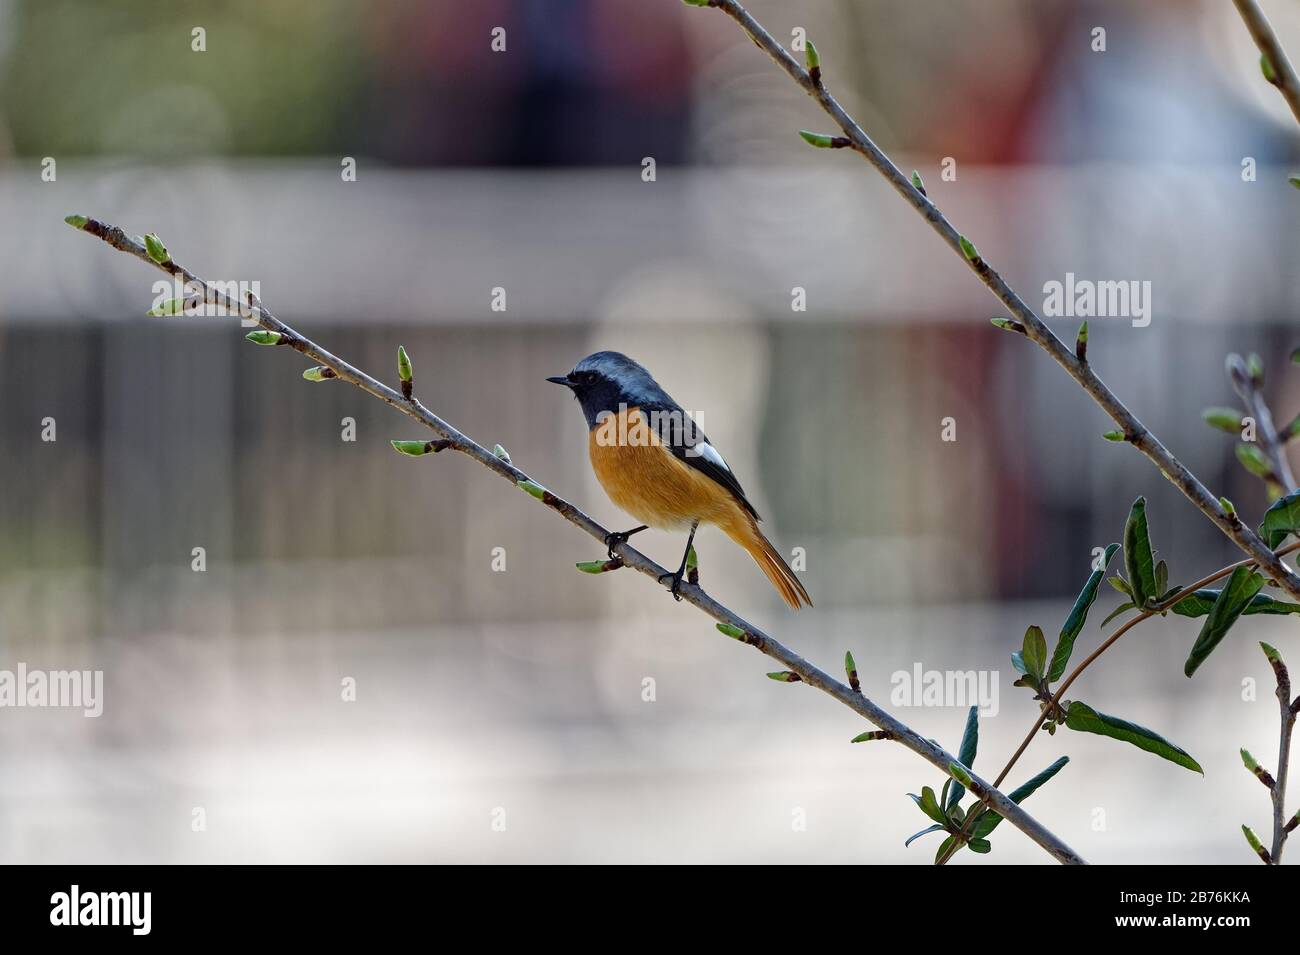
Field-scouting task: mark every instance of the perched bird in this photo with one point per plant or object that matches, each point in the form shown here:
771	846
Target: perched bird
656	464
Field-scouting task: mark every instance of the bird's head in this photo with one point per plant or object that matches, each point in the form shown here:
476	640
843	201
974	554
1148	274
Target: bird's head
606	379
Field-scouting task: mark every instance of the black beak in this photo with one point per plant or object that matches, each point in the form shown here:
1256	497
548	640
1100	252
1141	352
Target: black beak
562	380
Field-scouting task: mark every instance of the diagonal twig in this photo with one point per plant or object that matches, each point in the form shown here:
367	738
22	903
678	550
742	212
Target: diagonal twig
1280	73
1134	432
452	439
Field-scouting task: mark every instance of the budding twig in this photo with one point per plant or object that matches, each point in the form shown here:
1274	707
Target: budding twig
729	622
1274	62
1137	434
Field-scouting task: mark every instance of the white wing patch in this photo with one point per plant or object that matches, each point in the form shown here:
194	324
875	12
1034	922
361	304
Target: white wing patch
710	454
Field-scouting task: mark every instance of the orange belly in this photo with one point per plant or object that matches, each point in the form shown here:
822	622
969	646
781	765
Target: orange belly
643	477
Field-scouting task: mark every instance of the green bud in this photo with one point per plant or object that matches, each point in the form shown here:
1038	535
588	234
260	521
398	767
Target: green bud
1228	507
1008	325
1295	357
1271	652
692	560
591	566
501	453
916	181
173	306
958	772
533	488
77	222
734	632
403	364
1294	180
784	676
1252	839
1266	68
319	373
696	3
262	337
870	736
968	248
1082	337
1249	760
1114	435
851	671
414	448
811	56
1225	419
1253	460
157	251
820	140
1255	368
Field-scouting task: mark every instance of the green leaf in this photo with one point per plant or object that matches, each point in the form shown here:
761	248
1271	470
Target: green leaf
1281	519
1078	617
1034	652
1199	602
734	632
924	832
943	847
77	222
157	251
173	306
811	57
928	803
1232	601
981	846
1116	612
820	140
1294	180
970	738
1139	562
970	741
1253	460
414	448
1120	584
533	488
968	248
1225	419
987	821
1084	719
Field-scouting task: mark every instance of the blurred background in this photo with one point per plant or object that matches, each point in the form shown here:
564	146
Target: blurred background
501	709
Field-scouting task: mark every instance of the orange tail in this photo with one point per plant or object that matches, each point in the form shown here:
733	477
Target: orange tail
743	529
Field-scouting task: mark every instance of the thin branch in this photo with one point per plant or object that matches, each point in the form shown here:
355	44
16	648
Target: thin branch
1053	703
1249	389
1034	328
1280	72
1277	789
453	439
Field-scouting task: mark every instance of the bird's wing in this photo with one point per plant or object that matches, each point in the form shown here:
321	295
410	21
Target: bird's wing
689	444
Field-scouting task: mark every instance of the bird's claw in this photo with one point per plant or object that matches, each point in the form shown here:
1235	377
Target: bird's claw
675	589
612	538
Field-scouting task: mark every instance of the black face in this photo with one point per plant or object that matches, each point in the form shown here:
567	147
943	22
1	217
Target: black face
594	391
605	380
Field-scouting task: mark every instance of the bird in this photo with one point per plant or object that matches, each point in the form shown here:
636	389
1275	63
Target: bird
654	462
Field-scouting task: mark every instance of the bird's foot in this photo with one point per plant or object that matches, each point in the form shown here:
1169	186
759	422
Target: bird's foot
676	587
618	537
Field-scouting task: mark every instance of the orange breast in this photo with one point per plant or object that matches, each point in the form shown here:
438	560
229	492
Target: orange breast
643	477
